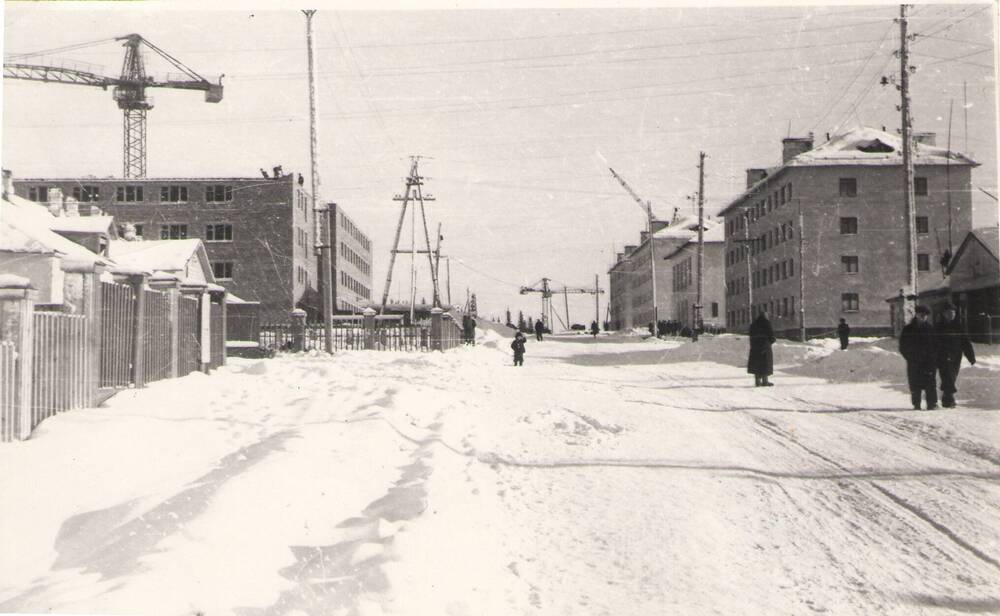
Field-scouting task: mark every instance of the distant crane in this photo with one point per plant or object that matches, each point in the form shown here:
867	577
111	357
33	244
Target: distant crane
543	287
648	207
129	89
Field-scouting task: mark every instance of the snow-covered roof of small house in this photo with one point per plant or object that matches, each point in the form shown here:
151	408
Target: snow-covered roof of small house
85	224
989	237
161	255
687	227
28	227
870	146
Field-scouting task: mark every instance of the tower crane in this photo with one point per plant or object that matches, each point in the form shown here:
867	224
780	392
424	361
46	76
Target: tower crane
129	89
543	287
648	207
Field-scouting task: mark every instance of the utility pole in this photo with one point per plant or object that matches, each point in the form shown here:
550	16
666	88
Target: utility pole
698	315
749	255
321	226
447	263
908	196
597	299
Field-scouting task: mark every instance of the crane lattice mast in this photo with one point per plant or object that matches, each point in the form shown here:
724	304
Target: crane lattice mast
129	90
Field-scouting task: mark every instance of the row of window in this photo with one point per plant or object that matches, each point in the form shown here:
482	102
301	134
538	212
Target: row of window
302	275
221	232
682	275
354	259
302	238
354	232
846	187
355	286
785	308
135	193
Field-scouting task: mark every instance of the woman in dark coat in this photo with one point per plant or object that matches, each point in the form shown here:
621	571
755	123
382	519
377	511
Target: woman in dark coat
760	363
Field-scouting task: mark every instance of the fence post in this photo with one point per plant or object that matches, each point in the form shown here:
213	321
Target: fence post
171	285
17	310
223	297
368	324
86	297
298	330
436	328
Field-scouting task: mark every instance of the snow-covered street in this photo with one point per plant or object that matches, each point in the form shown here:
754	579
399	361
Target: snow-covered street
607	476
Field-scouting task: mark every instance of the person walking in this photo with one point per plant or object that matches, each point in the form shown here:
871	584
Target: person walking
518	346
594	329
916	344
760	362
844	333
539	329
952	342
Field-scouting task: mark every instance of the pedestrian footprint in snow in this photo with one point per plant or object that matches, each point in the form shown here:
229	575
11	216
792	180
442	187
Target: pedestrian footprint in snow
952	342
518	346
760	362
844	333
916	345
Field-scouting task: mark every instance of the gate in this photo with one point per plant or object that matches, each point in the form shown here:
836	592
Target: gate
117	334
189	332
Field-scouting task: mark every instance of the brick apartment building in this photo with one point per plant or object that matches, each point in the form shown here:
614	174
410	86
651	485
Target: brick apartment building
630	295
258	232
833	219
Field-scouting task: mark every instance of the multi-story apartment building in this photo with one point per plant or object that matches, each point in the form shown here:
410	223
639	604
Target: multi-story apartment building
352	263
630	278
683	264
823	236
258	232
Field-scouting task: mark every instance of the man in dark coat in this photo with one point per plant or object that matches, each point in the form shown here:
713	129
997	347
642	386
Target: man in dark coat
844	333
760	363
539	329
951	343
916	344
518	346
594	329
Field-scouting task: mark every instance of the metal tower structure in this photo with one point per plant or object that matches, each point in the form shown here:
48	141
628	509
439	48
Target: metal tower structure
414	193
545	289
128	89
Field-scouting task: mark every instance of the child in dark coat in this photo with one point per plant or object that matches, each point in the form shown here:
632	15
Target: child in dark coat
518	346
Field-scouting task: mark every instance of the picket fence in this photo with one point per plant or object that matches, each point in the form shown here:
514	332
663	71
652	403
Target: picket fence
356	333
53	361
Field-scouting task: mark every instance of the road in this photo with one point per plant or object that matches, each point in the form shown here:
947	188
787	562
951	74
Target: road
603	477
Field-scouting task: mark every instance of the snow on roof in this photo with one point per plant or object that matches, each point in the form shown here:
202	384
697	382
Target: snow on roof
870	146
157	255
27	227
687	228
990	237
83	224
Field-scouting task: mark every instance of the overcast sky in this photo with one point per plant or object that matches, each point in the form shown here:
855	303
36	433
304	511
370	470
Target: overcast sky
514	111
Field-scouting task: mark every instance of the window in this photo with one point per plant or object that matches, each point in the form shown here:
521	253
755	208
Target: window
174	194
848	187
87	193
223	270
849	302
850	264
784	270
789	187
923	225
848	225
38	193
923	262
218	193
173	232
219	233
791	267
784	306
129	194
788	231
920	186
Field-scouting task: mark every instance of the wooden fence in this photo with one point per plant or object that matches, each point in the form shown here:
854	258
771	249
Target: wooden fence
8	389
60	367
118	303
112	336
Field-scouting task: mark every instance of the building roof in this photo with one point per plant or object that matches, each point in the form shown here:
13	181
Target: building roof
26	226
84	224
989	237
161	255
286	176
860	146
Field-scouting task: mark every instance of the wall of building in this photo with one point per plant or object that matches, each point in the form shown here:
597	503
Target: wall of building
352	262
271	250
44	272
684	290
879	244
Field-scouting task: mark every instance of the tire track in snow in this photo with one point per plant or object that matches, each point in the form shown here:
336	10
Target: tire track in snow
914	511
